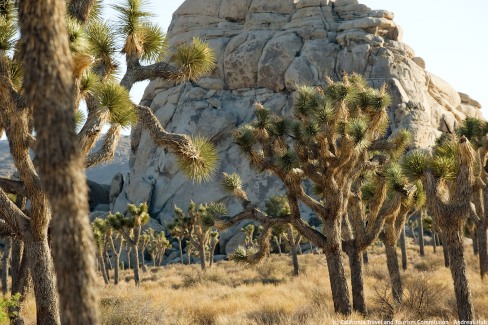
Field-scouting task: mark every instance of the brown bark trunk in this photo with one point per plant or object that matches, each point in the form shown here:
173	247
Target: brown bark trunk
7	249
203	262
357	283
403	246
335	265
445	251
365	257
103	269
116	268
434	241
475	242
135	262
421	233
181	250
458	271
42	272
394	272
49	85
483	252
20	284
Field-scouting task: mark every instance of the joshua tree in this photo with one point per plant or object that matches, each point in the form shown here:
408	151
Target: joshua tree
198	225
56	64
448	179
214	240
130	227
157	247
330	143
476	131
100	227
391	234
278	207
144	241
177	231
116	250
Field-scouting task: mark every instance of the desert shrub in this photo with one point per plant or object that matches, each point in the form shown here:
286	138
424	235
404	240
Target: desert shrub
422	266
425	298
133	310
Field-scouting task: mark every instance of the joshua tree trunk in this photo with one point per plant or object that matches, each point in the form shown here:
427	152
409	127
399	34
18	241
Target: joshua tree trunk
357	283
128	250
20	282
189	256
403	246
394	271
103	268
475	242
365	257
458	270
42	272
445	251
434	241
203	262
335	265
49	85
294	253
135	262
117	257
421	233
7	249
180	240
278	245
483	252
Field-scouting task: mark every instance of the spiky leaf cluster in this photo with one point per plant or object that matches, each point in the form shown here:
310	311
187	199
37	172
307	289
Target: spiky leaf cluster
8	26
116	99
194	60
475	130
102	42
198	159
243	254
277	206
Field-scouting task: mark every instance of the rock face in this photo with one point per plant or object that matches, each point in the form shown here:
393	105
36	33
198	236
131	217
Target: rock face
264	49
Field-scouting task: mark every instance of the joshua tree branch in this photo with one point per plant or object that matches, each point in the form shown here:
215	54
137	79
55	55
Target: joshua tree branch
106	152
80	9
13	186
12	216
137	72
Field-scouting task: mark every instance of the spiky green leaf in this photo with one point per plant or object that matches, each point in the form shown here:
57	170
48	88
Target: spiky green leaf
194	60
199	160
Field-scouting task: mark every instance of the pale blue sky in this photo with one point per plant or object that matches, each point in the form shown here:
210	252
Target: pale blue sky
448	34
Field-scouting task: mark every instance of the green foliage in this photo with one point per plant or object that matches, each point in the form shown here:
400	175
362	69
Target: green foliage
242	254
102	40
474	129
154	43
415	164
194	60
78	42
231	183
199	160
8	26
131	16
6	304
88	83
116	98
277	206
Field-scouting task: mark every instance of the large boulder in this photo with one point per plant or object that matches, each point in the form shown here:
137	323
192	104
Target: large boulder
264	49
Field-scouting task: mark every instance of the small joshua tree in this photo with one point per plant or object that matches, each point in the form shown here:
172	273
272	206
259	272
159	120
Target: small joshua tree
116	242
100	228
448	177
278	207
130	227
198	225
157	247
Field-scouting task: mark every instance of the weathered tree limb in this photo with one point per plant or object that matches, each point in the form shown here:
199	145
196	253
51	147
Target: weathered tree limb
107	151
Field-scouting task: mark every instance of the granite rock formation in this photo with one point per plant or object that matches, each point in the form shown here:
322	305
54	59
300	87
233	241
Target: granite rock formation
264	50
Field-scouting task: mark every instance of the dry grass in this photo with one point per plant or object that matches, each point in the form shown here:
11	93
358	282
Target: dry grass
268	293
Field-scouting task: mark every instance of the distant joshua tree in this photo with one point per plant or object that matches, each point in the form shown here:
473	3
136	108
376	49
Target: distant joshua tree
130	227
336	136
198	227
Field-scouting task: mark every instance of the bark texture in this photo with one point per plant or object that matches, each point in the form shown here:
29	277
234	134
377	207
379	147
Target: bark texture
49	85
394	272
357	282
403	246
